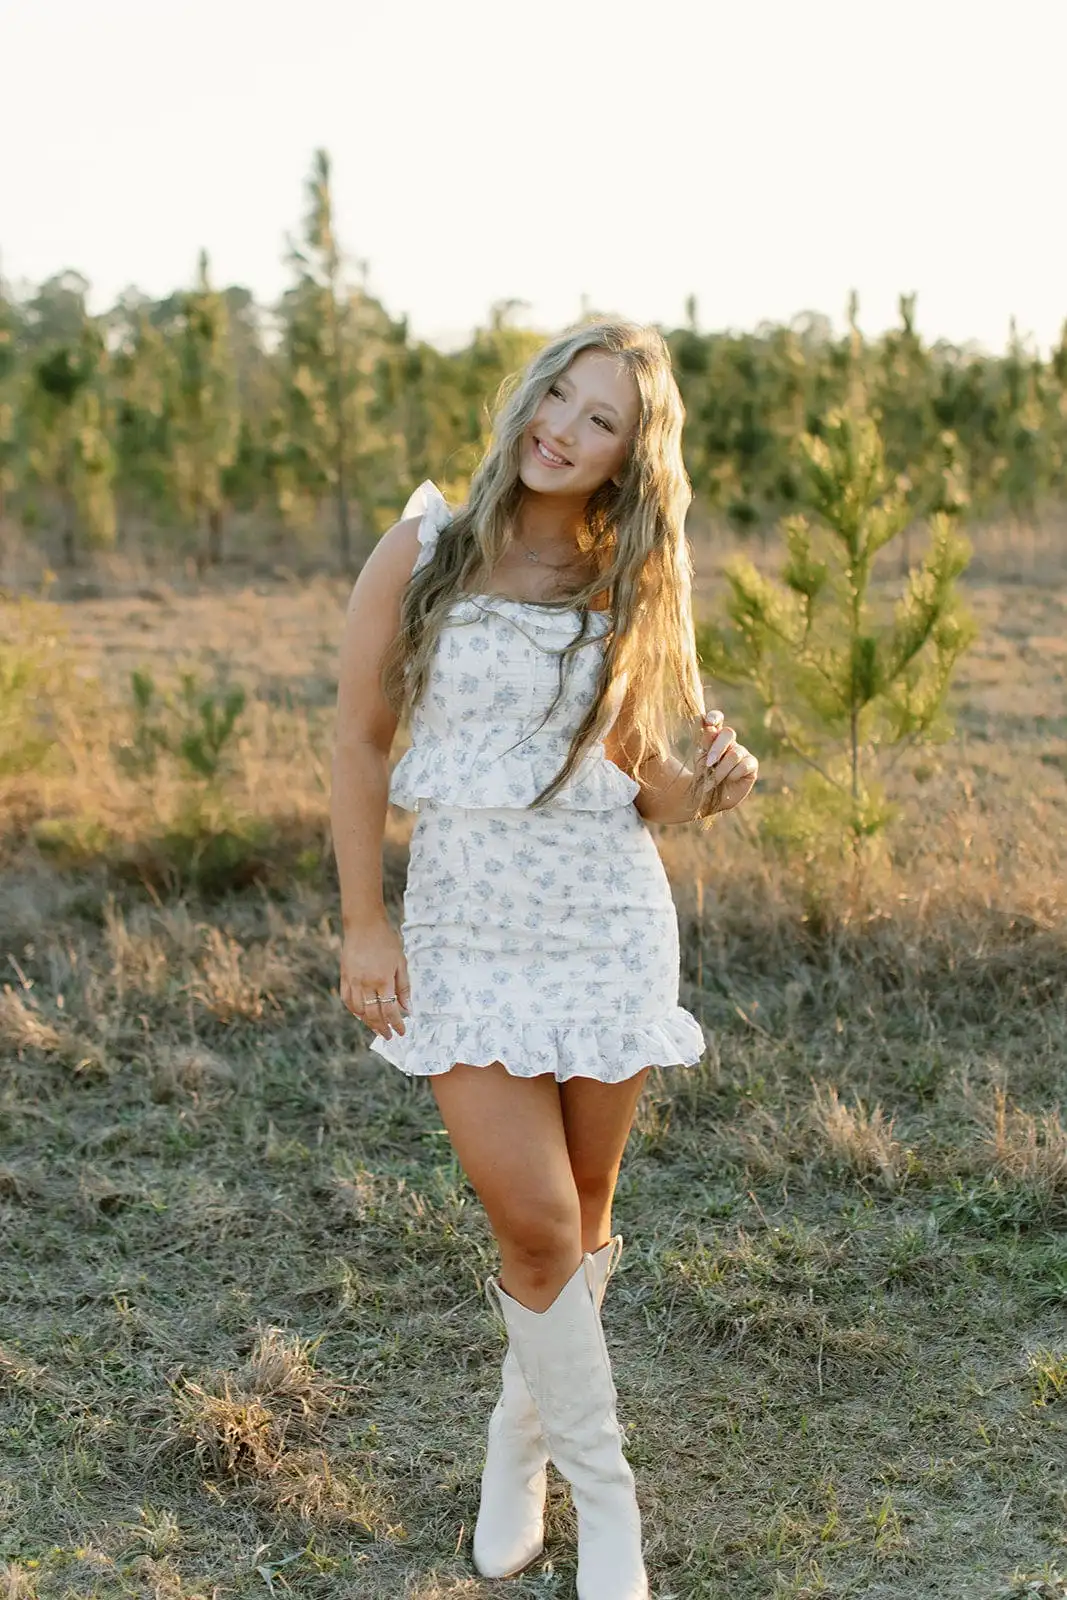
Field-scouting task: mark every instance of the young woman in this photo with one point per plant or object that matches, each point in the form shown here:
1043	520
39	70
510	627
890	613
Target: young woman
541	638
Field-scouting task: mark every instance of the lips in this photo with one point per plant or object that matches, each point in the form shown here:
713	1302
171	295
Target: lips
560	460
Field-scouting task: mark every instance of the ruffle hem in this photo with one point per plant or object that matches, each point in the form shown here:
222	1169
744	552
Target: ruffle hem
600	1050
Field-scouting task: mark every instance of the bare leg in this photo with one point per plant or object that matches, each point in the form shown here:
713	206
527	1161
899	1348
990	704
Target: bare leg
597	1118
508	1134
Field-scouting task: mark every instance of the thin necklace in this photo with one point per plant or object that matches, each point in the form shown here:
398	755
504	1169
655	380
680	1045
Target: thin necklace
531	555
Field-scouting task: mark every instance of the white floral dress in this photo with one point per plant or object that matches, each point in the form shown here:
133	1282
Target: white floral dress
546	940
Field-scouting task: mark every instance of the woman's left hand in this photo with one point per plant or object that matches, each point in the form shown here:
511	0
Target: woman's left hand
726	772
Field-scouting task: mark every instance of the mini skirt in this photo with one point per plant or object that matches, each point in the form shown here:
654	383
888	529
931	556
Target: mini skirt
545	940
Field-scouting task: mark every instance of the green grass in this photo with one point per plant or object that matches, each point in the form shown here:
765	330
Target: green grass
838	1377
244	1349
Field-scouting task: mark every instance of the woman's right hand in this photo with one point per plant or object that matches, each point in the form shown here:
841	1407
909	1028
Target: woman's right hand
372	963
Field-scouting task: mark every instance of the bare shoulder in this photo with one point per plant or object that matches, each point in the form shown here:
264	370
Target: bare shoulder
390	564
372	622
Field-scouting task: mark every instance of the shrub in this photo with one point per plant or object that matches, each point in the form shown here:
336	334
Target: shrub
193	726
33	677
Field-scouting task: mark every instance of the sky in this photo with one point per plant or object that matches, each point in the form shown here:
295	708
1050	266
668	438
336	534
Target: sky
764	156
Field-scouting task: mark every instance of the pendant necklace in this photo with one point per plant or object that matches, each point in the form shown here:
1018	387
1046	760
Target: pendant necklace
531	555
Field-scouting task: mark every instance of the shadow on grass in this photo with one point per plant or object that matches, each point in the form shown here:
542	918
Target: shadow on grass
209	858
983	963
981	967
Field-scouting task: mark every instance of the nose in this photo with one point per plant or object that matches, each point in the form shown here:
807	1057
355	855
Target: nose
561	426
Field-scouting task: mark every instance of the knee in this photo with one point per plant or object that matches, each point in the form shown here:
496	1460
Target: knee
539	1234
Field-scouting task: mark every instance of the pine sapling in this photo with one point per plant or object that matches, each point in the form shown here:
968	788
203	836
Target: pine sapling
847	680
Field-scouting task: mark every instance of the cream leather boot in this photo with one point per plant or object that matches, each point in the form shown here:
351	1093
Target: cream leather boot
510	1530
563	1357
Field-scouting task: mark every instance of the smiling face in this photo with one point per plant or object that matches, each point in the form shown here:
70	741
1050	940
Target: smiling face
586	422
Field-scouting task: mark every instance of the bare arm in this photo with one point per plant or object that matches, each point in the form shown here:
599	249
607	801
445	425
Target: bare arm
672	792
365	728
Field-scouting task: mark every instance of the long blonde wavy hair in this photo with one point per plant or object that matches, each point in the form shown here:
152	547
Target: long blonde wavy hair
633	534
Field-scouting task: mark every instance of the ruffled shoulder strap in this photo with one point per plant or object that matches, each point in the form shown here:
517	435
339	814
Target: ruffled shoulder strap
430	504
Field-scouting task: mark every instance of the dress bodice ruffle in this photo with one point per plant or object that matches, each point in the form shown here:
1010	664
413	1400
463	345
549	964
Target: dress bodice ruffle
484	732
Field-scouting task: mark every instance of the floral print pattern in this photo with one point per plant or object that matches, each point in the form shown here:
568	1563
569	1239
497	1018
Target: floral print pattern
546	940
481	734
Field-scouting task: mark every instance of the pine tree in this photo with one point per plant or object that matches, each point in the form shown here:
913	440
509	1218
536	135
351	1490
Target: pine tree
843	680
1024	464
315	313
203	406
141	371
70	429
901	401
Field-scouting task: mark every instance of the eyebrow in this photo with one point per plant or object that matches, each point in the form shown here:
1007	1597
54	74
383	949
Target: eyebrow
601	405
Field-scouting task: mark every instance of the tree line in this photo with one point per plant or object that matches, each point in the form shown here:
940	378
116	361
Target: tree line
174	414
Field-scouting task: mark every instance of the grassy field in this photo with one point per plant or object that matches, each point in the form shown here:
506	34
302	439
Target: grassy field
243	1346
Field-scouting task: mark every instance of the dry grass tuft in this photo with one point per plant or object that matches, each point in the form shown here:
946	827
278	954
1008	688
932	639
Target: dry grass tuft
234	1434
359	1195
158	1577
762	1144
157	1532
17	1582
1030	1148
281	1368
306	1487
25	1031
18	1373
1048	1376
189	1070
239	1424
224	988
23	1028
863	1141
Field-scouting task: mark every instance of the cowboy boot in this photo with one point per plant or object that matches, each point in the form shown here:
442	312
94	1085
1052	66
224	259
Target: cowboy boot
563	1357
510	1529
